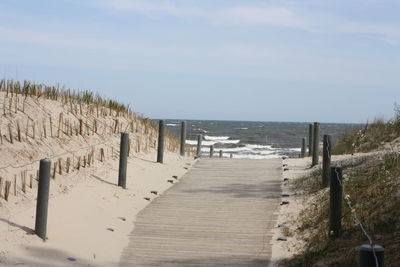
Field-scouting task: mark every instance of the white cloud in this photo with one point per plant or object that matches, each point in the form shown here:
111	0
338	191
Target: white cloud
386	33
269	16
52	39
152	8
140	5
239	15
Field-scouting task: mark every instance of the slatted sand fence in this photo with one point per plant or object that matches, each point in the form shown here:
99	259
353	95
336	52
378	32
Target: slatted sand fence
220	214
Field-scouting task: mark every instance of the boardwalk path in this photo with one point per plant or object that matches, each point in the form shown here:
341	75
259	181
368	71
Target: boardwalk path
219	214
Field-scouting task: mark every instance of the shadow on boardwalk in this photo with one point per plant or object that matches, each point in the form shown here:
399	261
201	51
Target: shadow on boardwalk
238	190
220	214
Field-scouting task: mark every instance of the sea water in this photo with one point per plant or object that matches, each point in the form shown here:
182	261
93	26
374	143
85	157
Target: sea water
256	140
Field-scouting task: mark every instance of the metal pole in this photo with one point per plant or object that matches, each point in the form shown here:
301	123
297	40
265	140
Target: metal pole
123	159
303	147
160	150
326	160
220	153
199	139
211	151
183	138
315	144
310	139
367	257
43	198
335	201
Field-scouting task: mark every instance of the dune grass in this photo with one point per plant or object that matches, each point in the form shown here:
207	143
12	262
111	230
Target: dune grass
371	136
373	185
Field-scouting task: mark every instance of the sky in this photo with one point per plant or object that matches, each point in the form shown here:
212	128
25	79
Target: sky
258	60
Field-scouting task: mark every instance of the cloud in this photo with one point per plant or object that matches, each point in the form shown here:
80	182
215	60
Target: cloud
268	16
386	33
151	8
139	5
64	40
239	15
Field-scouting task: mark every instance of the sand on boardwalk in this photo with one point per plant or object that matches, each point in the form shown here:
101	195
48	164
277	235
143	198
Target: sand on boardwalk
90	217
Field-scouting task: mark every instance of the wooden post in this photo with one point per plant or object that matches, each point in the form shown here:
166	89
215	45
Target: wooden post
60	121
220	153
51	127
199	140
303	147
183	137
44	128
211	151
101	154
315	144
123	160
33	130
78	165
160	150
59	166
15	185
7	190
18	131
54	170
326	160
80	126
23	181
335	201
310	139
43	198
371	256
67	165
10	133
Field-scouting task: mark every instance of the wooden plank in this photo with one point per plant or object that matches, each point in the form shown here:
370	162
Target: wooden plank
219	214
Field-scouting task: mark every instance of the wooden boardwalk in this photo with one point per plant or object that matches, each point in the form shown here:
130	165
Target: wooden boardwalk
219	214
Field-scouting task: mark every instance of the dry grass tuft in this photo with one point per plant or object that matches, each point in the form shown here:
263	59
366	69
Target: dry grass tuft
373	184
371	136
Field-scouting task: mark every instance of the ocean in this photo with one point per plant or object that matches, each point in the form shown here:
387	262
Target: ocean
255	140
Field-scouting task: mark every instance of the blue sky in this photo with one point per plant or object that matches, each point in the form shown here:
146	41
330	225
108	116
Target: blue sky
300	60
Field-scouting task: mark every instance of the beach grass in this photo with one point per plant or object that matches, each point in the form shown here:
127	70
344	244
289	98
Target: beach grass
372	184
370	137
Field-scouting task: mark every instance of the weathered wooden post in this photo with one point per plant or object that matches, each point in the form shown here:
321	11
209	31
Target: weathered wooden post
326	160
160	149
303	148
220	153
211	151
183	137
371	256
43	198
315	144
335	201
199	139
231	156
123	160
310	139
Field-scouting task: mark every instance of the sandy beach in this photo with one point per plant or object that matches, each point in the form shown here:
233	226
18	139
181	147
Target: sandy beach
89	220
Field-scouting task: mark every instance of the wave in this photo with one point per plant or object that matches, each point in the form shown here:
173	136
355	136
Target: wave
242	156
212	142
250	151
172	124
201	130
213	138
